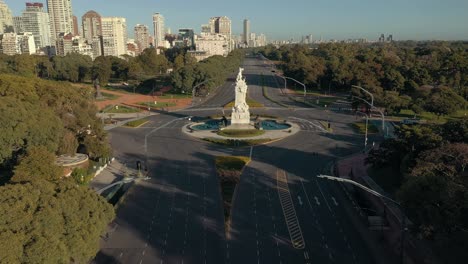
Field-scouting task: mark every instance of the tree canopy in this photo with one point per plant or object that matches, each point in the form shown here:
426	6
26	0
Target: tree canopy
46	222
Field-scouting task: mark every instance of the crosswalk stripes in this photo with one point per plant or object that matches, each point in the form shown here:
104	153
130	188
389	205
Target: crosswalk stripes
289	211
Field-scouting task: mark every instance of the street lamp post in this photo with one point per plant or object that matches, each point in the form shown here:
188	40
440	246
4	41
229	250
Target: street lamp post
375	193
371	95
367	123
375	108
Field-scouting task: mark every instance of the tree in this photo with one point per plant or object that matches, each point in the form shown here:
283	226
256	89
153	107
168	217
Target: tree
51	223
37	164
435	192
102	69
455	130
445	101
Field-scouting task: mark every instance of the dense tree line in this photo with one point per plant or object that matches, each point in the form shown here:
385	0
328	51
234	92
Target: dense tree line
432	162
415	75
214	70
79	68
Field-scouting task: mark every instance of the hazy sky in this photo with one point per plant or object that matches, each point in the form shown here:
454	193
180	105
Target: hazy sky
285	19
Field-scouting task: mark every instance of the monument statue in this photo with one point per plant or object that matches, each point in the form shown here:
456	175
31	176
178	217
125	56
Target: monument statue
240	111
97	87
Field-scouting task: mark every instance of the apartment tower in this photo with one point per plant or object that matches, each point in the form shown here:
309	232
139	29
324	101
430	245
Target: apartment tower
61	17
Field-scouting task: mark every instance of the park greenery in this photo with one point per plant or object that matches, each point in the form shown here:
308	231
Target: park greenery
45	218
237	142
429	174
229	169
51	222
422	76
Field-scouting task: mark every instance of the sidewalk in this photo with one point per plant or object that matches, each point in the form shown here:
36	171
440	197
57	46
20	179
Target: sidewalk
113	173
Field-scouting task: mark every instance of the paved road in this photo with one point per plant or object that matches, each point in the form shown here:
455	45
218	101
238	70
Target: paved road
281	213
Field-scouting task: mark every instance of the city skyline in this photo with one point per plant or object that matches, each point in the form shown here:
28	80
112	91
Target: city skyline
418	20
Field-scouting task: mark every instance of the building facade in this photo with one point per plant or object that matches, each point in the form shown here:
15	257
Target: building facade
9	44
18	24
159	32
35	19
91	25
142	37
6	18
210	45
61	18
246	38
114	36
76	30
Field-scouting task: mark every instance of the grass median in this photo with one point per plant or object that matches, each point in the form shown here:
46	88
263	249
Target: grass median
237	143
229	169
136	123
360	127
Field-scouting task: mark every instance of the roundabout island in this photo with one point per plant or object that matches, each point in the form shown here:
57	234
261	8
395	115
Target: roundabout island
241	129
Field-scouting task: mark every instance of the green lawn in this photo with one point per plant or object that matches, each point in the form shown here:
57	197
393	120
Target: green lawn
407	113
136	123
231	162
121	110
250	102
237	143
240	133
108	96
360	127
158	104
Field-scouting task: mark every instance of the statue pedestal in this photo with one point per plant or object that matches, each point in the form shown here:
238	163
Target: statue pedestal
240	116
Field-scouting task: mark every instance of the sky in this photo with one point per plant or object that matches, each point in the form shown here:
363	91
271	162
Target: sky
287	19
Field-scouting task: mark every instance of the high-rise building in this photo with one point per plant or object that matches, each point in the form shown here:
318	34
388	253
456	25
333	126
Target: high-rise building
390	38
6	18
92	25
64	44
220	25
61	18
76	31
186	38
26	43
18	24
9	44
142	37
246	38
114	36
158	24
382	38
36	20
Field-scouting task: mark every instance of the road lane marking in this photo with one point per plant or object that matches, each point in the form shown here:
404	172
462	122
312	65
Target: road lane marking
317	200
334	201
300	200
326	202
289	211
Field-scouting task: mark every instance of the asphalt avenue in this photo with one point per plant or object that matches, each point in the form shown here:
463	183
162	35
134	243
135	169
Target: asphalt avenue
281	212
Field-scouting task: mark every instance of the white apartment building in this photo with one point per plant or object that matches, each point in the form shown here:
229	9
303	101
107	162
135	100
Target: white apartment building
61	17
142	37
36	20
12	43
211	44
114	36
159	31
6	18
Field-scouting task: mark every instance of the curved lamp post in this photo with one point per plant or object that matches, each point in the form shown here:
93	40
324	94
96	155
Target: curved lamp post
375	193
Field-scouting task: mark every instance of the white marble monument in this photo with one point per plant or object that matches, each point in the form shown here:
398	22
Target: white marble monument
240	112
